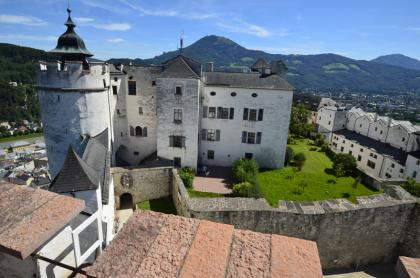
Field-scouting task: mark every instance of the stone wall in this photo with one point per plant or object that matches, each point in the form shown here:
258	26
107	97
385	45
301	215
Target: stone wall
411	244
347	234
147	183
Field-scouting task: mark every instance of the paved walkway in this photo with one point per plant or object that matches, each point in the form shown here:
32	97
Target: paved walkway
218	181
123	215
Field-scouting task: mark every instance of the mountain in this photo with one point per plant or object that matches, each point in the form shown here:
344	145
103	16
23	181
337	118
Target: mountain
317	72
398	60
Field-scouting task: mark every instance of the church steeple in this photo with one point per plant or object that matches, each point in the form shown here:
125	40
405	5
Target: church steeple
70	46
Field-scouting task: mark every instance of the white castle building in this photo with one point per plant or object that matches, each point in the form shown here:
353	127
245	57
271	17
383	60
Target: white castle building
383	147
97	116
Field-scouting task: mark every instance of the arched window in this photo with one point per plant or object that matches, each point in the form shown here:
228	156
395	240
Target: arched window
131	131
138	131
144	131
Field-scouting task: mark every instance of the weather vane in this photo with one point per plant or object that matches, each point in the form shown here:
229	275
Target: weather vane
68	6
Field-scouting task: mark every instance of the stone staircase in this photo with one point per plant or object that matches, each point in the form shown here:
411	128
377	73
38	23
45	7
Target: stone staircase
159	245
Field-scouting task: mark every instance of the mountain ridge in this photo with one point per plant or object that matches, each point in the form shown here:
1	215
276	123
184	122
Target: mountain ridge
399	60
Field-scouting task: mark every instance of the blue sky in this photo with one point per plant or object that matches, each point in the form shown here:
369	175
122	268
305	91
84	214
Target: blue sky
360	29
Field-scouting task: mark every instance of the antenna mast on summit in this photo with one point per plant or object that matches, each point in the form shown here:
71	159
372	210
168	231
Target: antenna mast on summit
181	42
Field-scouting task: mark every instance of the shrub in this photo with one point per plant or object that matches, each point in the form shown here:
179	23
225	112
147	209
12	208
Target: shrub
300	159
187	176
333	181
245	170
291	140
413	187
348	163
313	149
325	147
246	189
290	154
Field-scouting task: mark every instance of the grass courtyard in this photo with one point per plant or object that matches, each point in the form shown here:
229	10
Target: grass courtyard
284	184
164	205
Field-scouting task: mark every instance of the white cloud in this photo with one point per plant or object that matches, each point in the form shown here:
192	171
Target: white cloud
113	26
170	12
23	20
84	19
20	37
116	40
241	26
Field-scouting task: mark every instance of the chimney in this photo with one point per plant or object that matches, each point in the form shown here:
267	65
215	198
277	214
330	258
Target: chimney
279	68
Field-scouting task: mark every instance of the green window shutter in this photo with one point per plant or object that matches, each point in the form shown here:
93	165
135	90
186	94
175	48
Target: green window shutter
217	134
205	108
259	135
260	114
245	114
244	136
231	113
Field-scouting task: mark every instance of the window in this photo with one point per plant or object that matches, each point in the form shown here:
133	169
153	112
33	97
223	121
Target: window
153	83
141	110
418	162
259	135
136	153
131	131
222	113
233	94
178	91
414	175
344	141
403	139
248	155
231	113
212	112
360	125
388	176
58	98
212	93
373	155
392	165
342	149
371	164
251	138
329	122
177	161
244	134
254	95
210	154
381	132
144	131
115	79
118	111
253	114
352	145
401	170
122	134
376	128
177	116
138	131
260	114
132	88
319	117
350	152
114	90
177	141
210	134
359	158
361	150
245	117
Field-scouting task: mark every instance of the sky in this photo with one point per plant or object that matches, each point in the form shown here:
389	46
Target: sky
359	29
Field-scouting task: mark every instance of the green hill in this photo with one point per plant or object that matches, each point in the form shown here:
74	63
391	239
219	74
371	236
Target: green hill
398	60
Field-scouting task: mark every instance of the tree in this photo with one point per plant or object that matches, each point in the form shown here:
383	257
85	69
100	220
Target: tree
355	184
348	164
289	156
299	121
413	187
300	159
245	170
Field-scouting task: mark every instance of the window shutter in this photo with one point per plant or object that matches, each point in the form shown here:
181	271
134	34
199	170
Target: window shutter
260	114
171	141
183	141
205	108
144	131
217	134
203	134
259	135
231	113
131	131
219	112
245	114
243	136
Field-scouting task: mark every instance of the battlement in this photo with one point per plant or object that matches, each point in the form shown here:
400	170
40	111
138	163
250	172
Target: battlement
72	76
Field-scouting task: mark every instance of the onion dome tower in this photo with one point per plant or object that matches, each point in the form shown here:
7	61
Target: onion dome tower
70	46
74	98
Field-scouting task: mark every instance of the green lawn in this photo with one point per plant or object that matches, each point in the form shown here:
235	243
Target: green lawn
21	137
283	184
200	194
164	205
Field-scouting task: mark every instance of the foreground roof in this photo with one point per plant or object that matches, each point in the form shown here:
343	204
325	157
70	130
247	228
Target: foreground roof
158	245
181	67
30	217
246	80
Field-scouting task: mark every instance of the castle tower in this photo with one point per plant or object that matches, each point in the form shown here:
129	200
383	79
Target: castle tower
74	98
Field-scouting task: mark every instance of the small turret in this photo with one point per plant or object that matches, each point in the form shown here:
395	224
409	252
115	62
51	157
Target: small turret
70	46
279	67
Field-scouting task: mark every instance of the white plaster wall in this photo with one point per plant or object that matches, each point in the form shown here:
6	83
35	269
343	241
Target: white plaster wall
326	118
393	168
351	121
395	135
412	165
189	102
274	127
339	120
68	115
108	212
356	151
378	131
362	125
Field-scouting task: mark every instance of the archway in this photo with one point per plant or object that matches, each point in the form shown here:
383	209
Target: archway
121	156
126	201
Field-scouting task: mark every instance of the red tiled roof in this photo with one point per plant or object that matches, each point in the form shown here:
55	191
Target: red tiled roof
29	217
408	267
157	245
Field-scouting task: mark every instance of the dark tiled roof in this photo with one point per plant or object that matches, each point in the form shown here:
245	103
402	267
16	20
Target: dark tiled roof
86	170
259	64
415	154
246	80
382	148
181	67
32	216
